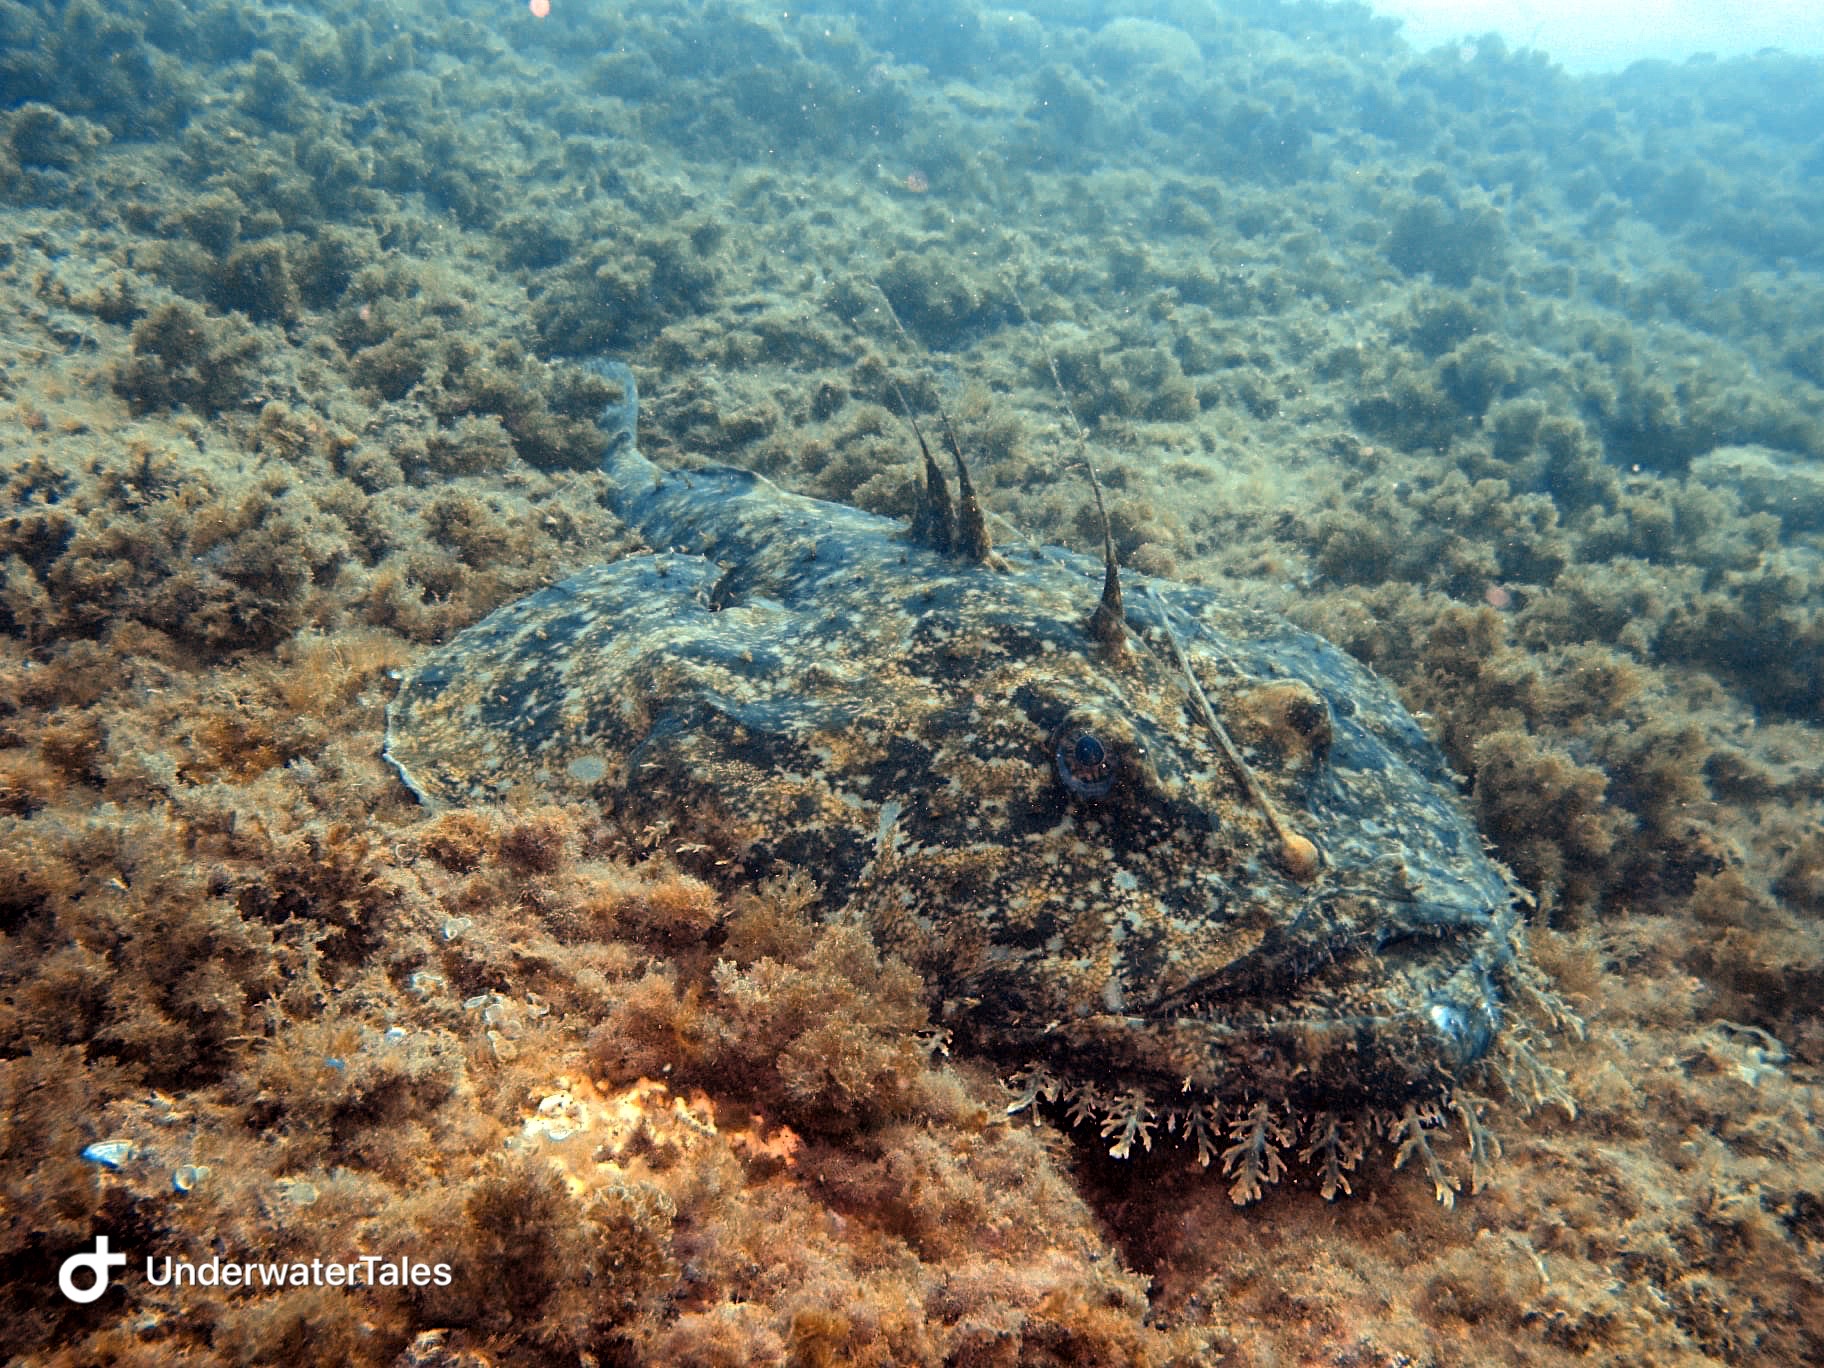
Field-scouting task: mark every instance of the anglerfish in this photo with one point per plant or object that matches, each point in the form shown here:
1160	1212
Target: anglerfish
1163	857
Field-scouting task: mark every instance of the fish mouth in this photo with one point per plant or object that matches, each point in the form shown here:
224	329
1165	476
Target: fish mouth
1320	1016
1336	1012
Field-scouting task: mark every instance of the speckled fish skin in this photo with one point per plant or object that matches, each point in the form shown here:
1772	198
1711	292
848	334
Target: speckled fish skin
797	677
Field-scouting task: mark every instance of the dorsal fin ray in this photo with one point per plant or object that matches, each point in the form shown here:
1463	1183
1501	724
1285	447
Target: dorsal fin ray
1107	626
969	537
971	527
933	520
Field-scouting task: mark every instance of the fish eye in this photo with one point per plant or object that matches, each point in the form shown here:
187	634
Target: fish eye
1084	763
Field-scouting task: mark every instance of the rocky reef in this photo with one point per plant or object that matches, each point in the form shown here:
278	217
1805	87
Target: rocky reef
296	305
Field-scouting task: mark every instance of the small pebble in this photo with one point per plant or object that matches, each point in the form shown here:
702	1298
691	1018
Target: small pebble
560	1116
187	1176
109	1153
298	1191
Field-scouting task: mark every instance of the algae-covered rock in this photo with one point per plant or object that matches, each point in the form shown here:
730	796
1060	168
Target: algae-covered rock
1768	481
42	136
1451	241
180	355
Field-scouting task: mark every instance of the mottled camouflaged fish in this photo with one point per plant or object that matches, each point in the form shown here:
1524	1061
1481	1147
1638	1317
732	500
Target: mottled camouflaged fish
1172	861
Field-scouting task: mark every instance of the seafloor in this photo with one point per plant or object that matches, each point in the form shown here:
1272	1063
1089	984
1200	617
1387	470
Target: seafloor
1507	383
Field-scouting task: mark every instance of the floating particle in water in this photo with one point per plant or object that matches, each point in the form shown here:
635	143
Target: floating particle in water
540	8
